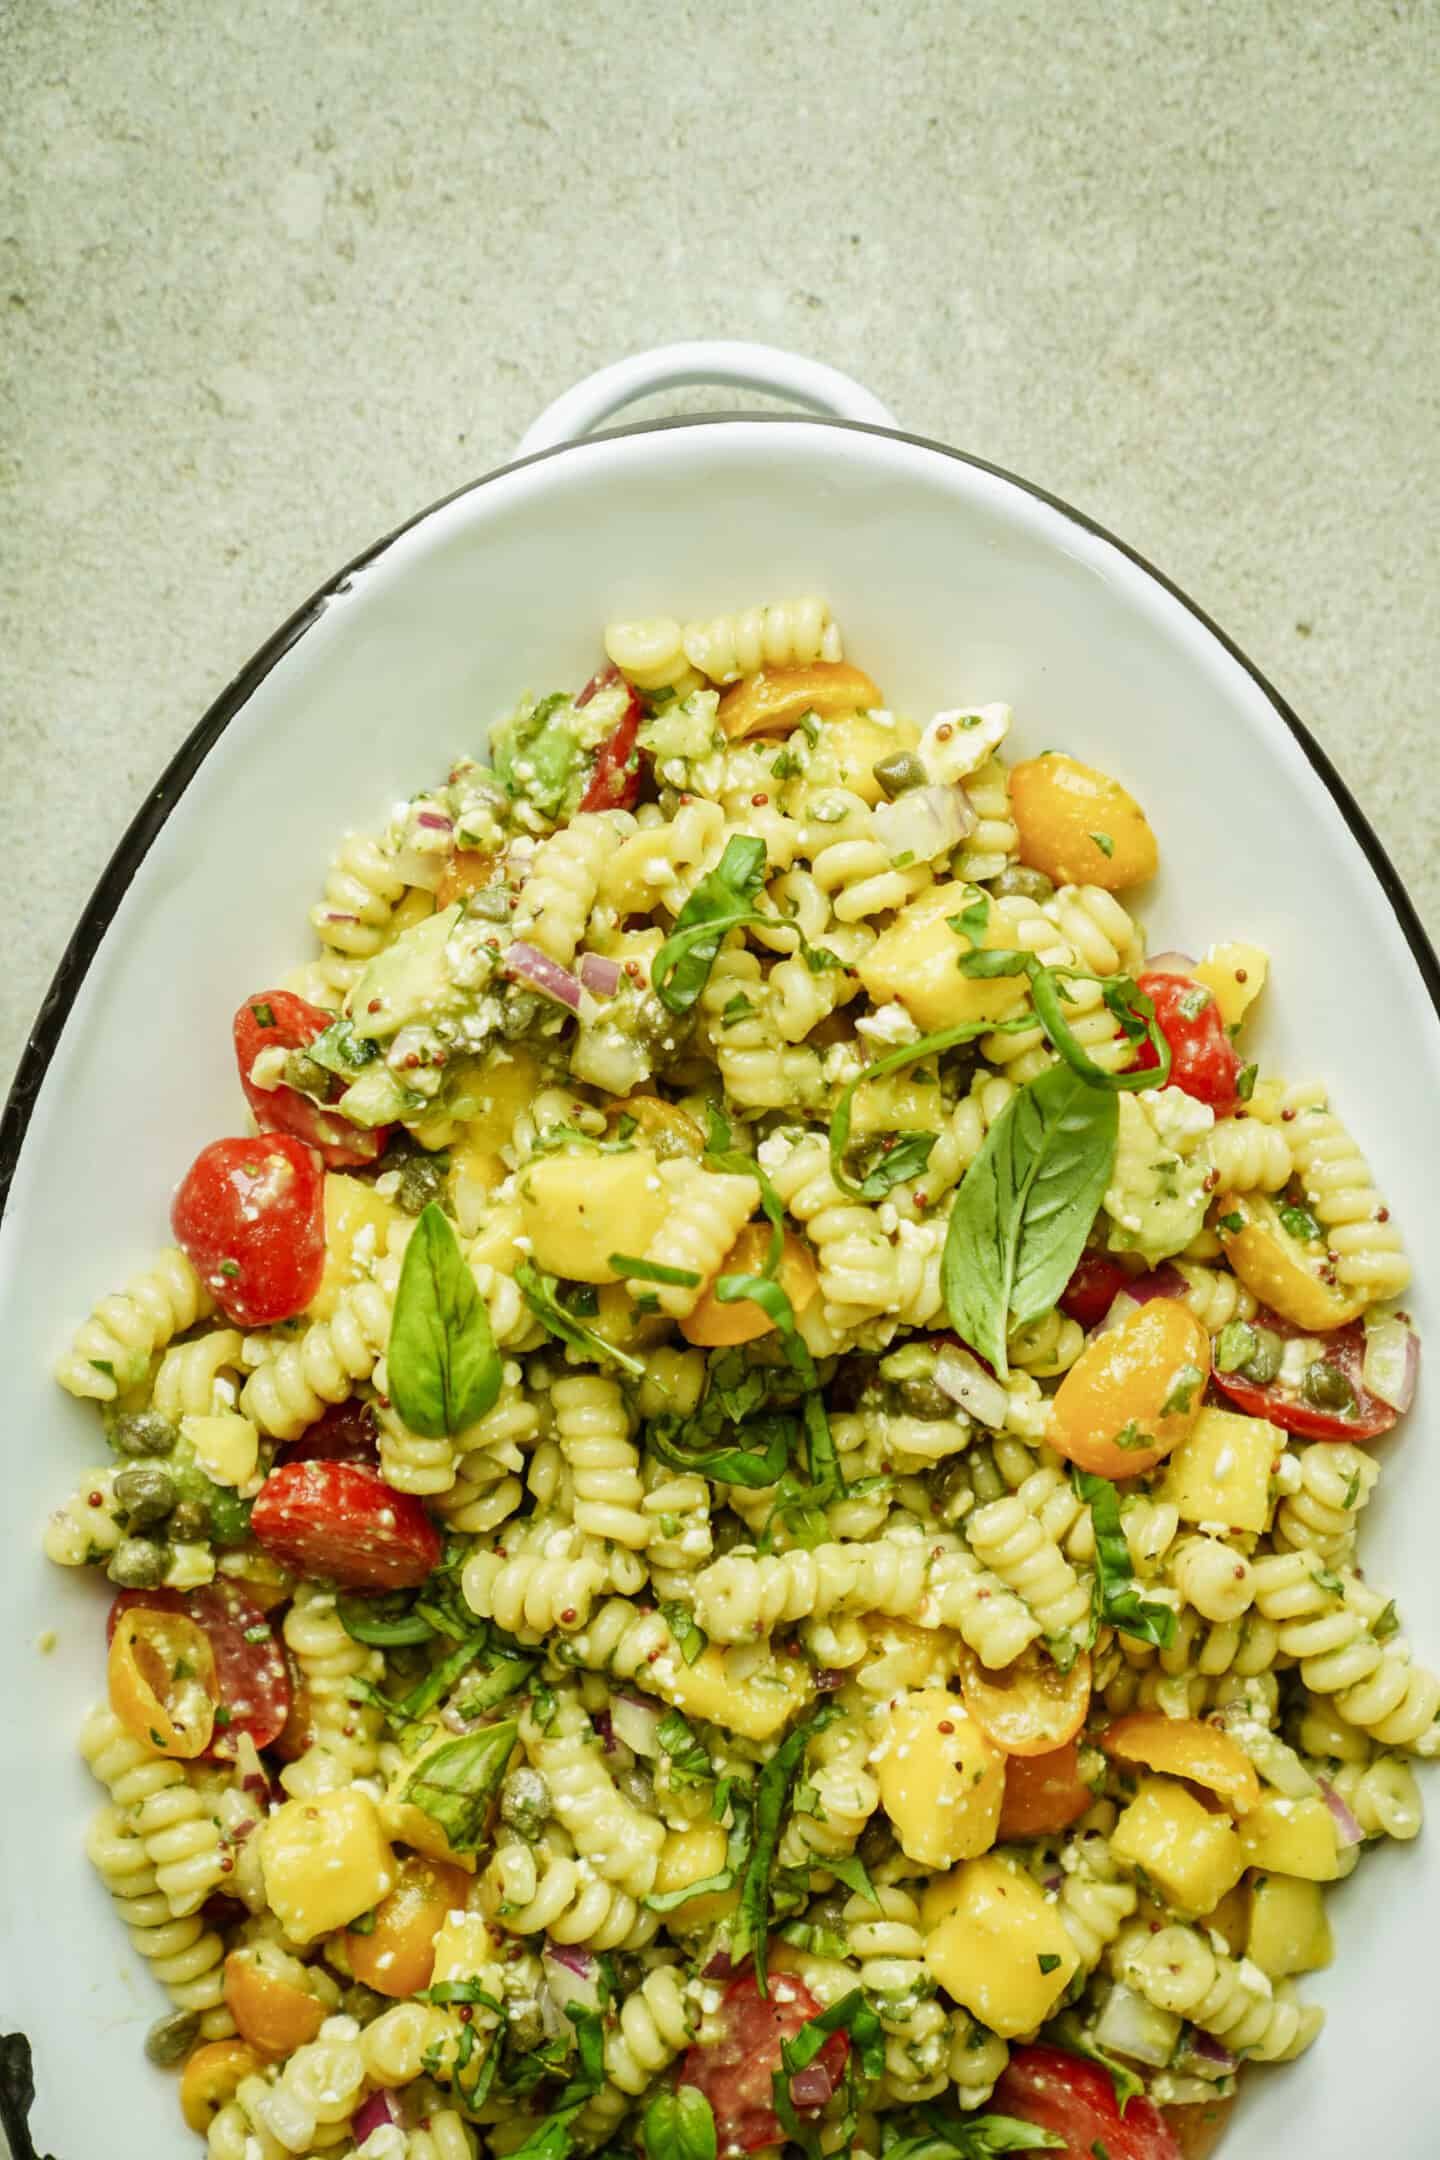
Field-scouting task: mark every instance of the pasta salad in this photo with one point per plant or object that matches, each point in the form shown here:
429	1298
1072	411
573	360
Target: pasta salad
731	1521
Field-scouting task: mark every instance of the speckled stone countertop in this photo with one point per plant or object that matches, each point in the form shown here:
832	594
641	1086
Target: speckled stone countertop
276	276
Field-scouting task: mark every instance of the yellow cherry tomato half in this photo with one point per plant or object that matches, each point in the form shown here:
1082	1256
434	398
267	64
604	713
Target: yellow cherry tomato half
1029	1707
1197	2126
774	699
1079	826
209	2079
1134	1393
272	2012
1044	1794
714	1325
162	1681
398	1955
1185	1748
1286	1273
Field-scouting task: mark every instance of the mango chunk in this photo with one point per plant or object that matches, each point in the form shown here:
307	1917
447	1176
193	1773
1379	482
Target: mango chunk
917	961
1294	1837
1001	1949
1193	1858
1289	1931
941	1780
325	1861
1220	1472
1235	975
357	1223
578	1209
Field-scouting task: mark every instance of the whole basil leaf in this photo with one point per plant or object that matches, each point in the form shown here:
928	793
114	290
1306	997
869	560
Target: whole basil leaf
1025	1208
443	1365
680	2126
454	1784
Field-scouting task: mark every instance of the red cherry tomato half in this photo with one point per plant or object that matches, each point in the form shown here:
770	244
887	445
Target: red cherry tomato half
1093	1288
343	1522
251	1673
346	1433
278	1020
735	2071
1076	2100
250	1216
1343	1350
1203	1060
615	782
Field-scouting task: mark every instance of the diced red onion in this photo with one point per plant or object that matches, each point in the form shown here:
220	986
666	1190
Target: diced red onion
1208	2057
812	2086
600	1719
924	822
965	1381
333	916
1052	1882
599	974
1171	963
373	2114
1392	1363
831	1678
720	1967
573	1959
1129	2025
433	821
567	1981
418	867
1163	1281
1121	1307
1347	1831
527	964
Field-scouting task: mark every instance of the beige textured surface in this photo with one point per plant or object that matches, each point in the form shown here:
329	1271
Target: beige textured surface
277	275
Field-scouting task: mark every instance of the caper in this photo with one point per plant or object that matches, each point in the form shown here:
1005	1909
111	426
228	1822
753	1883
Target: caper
146	1494
525	1802
898	772
518	1013
301	1071
953	1490
171	2037
421	1181
1264	1360
653	1026
1327	1387
137	1563
1017	881
669	802
189	1522
144	1432
524	2027
357	2001
923	1399
637	1785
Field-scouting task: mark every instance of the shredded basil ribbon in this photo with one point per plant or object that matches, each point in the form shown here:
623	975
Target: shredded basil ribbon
1117	1597
539	1293
892	1062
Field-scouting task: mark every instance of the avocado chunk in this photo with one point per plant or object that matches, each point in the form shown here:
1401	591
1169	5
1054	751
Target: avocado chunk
409	981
